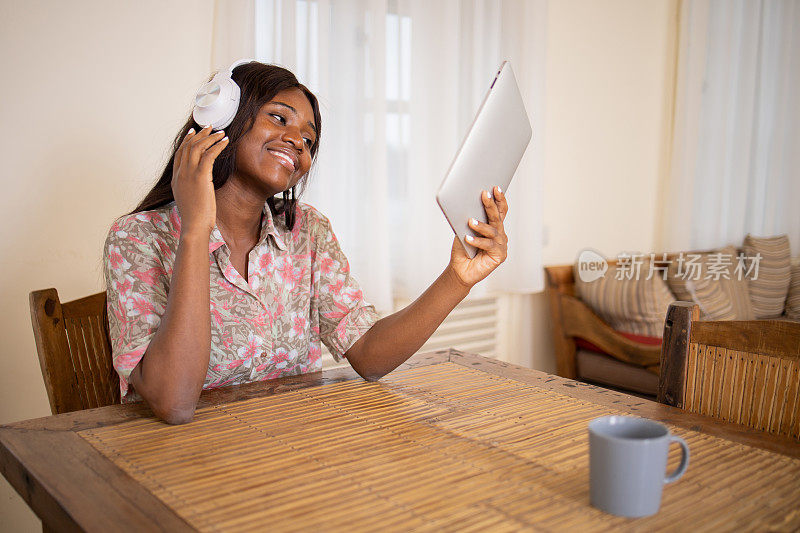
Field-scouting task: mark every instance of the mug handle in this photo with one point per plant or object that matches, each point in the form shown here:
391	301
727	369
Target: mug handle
676	475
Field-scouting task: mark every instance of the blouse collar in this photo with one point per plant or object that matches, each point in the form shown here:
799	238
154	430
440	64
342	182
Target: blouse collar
267	228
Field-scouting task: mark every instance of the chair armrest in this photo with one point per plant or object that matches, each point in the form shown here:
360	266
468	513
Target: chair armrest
580	321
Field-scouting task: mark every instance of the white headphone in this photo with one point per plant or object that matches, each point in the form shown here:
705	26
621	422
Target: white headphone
217	101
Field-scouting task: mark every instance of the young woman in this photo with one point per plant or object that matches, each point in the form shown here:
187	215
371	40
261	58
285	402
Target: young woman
220	276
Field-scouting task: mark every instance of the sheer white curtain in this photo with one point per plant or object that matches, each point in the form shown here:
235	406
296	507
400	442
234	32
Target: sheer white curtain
736	139
399	82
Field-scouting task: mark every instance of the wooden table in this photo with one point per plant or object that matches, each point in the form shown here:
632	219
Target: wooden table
448	442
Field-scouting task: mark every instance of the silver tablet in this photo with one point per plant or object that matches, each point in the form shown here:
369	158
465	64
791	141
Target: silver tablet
488	156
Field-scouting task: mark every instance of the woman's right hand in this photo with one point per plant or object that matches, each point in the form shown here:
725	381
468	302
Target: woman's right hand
192	184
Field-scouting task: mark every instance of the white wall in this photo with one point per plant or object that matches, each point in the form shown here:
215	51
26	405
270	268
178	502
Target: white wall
609	92
93	92
609	84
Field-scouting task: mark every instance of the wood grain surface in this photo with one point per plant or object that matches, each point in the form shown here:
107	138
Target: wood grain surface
74	351
449	441
675	351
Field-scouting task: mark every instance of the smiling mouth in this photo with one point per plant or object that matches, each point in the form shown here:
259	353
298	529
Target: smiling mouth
284	160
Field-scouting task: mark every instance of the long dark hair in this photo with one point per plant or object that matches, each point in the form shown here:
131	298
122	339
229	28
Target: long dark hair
259	83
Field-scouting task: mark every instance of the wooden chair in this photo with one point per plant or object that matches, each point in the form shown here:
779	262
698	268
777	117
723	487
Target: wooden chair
745	372
74	351
571	318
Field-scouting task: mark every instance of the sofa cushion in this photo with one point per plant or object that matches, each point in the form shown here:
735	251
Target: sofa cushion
636	305
711	281
768	291
793	299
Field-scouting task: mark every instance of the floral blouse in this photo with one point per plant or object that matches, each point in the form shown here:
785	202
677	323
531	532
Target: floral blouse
299	292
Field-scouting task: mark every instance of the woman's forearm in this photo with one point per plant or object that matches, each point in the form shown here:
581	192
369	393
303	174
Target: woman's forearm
395	338
171	374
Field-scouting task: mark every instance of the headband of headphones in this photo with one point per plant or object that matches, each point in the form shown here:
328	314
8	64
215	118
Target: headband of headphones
217	101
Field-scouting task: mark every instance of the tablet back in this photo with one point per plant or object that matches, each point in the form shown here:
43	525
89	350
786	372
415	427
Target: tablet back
488	156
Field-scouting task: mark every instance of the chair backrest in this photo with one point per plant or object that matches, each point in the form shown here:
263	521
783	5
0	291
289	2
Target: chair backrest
745	372
74	351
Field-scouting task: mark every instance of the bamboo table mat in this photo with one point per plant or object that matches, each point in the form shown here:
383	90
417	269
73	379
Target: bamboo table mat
435	448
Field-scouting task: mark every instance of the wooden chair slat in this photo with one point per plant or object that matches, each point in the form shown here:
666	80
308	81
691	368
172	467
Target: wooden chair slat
744	375
107	376
783	396
795	423
91	358
74	351
86	360
88	383
728	383
749	390
687	398
75	347
793	405
720	369
702	381
78	347
712	390
718	362
770	391
762	379
88	355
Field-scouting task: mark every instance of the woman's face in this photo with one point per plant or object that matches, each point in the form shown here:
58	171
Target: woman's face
276	152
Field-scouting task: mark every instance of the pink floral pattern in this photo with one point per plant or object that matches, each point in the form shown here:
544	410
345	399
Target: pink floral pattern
299	293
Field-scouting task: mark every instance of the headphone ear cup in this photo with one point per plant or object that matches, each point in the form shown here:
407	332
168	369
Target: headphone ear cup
216	102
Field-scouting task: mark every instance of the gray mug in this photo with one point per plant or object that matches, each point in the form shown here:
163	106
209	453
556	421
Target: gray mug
627	464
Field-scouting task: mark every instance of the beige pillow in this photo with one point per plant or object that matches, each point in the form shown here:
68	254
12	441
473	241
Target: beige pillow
637	306
712	282
793	299
768	291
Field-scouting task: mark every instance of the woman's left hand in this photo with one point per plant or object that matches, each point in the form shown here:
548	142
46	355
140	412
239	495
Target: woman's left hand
492	245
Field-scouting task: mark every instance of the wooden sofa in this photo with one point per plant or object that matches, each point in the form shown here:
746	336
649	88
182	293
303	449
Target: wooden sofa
629	365
589	349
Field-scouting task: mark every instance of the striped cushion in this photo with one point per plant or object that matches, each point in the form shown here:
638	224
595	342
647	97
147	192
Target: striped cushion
793	300
636	306
724	298
768	292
